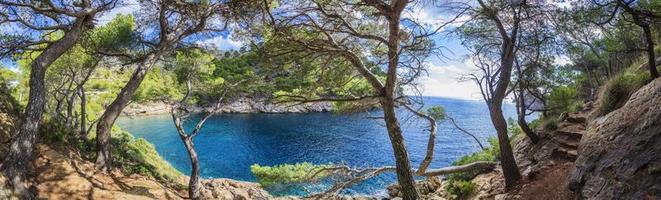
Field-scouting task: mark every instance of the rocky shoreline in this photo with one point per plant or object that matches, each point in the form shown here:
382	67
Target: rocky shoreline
241	105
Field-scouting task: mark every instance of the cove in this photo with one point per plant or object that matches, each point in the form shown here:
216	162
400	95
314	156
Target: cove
230	143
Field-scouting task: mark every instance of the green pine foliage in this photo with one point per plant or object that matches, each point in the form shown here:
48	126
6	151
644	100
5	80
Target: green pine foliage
287	173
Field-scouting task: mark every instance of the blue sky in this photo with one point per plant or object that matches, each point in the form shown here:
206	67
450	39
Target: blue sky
444	74
442	80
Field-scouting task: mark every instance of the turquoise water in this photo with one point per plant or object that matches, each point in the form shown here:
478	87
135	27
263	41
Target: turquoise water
230	143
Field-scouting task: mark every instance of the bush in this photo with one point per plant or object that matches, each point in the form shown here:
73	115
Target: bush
563	99
286	173
618	90
547	123
139	156
460	189
459	184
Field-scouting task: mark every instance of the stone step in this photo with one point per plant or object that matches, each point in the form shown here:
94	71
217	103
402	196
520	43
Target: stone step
569	143
570	134
568	154
576	117
574	132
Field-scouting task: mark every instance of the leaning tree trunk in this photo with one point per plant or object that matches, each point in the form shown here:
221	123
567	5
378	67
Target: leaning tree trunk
651	58
106	121
21	152
403	165
510	170
195	187
523	124
521	109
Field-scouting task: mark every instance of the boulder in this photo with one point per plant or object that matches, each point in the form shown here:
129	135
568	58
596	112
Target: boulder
427	186
620	153
233	190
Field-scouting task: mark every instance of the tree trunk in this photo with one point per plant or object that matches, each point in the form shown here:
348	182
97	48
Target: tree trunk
194	185
402	163
522	116
651	58
510	170
83	112
22	147
105	123
71	103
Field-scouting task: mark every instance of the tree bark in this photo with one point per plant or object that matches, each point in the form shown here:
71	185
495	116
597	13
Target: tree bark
651	58
521	109
21	152
510	169
106	121
195	187
83	112
402	162
534	138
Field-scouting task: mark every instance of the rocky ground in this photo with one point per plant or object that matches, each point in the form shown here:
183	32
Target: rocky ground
241	105
616	156
544	166
61	173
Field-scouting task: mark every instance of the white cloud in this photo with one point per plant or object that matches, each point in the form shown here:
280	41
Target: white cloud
432	17
562	60
223	43
423	16
126	7
444	81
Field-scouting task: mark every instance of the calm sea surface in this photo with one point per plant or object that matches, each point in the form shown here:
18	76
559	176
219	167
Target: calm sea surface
230	143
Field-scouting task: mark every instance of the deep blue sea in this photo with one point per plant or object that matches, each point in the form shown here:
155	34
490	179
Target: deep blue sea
230	143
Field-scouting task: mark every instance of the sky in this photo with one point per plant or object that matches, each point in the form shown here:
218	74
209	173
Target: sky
443	74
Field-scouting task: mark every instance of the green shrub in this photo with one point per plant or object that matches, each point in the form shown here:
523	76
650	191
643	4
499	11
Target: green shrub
618	90
460	189
459	185
550	124
513	128
547	123
136	155
563	99
286	173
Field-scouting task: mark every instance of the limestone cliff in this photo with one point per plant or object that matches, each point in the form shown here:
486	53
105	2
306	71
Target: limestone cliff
240	105
620	154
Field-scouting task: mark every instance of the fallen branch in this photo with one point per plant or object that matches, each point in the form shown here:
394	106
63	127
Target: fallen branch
356	175
475	166
364	175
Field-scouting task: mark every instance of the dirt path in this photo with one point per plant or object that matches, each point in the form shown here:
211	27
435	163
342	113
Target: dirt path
550	181
63	175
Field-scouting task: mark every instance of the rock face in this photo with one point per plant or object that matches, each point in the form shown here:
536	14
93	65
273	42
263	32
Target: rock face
262	105
240	105
620	153
231	189
425	187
